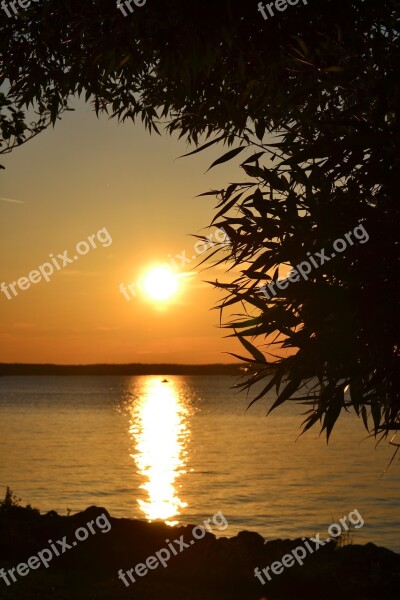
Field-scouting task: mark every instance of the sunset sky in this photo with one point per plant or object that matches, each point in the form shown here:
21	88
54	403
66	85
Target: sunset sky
85	175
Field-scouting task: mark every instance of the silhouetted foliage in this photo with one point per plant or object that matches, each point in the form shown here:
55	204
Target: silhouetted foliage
313	96
11	505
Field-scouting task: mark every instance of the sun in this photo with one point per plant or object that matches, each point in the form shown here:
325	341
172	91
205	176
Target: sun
161	283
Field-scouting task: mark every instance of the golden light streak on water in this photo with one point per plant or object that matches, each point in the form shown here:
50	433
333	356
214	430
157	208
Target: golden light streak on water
159	428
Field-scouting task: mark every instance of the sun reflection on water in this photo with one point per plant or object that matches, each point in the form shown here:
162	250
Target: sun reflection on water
159	428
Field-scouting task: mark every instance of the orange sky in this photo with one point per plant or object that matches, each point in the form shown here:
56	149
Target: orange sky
89	174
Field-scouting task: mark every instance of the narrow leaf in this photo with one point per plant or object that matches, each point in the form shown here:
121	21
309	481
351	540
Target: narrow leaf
203	147
228	156
258	356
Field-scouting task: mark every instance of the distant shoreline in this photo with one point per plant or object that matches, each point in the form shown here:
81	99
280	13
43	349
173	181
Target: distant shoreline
9	370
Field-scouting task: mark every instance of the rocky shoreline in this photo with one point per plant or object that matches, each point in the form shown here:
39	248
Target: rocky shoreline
208	569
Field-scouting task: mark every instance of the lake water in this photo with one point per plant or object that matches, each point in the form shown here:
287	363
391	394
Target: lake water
183	450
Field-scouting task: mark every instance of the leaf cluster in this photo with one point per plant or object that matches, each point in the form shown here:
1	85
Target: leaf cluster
310	102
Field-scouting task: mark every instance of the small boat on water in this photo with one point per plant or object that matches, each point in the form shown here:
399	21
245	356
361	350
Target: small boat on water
165	381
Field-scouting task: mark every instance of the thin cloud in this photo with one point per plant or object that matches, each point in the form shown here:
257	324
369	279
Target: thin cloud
11	200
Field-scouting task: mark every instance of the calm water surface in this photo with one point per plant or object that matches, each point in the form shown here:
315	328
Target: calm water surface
183	450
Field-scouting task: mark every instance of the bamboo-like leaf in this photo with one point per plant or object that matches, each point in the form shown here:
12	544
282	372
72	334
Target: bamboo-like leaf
376	415
332	415
364	417
356	396
265	390
228	156
310	421
286	393
204	146
253	158
255	352
260	129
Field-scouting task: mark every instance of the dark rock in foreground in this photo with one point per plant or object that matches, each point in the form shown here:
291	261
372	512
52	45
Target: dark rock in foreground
207	569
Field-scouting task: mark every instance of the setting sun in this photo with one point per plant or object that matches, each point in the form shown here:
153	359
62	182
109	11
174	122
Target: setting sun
160	283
